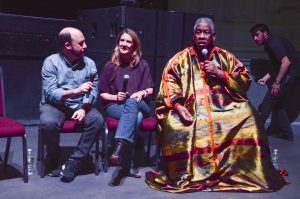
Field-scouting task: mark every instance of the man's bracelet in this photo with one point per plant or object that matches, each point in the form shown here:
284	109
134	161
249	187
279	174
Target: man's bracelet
276	82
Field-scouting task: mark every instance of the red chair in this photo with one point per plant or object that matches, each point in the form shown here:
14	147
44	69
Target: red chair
149	124
10	128
69	126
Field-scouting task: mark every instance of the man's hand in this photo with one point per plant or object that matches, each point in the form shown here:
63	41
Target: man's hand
275	89
85	87
212	68
82	89
184	114
78	116
262	81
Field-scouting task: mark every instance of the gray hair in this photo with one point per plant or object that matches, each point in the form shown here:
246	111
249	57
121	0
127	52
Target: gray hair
207	20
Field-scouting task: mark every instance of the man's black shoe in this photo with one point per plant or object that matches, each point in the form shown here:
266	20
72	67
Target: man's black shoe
70	171
55	173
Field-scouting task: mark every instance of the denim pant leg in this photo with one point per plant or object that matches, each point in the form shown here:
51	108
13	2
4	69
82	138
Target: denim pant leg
91	128
127	163
127	113
51	120
114	110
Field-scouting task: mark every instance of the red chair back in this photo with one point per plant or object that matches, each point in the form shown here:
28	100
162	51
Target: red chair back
10	128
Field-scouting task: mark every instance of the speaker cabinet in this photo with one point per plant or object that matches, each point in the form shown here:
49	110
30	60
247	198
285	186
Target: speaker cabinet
101	27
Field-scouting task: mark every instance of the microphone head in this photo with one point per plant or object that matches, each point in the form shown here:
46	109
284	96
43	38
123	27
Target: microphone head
126	77
204	51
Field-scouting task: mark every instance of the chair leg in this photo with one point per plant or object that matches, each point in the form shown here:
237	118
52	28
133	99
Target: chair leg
105	149
97	156
41	154
25	163
7	151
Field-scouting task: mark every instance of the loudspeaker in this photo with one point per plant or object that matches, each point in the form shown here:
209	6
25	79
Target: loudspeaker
25	42
169	33
101	27
160	65
30	36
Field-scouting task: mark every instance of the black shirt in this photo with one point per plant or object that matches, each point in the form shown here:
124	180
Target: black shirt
278	47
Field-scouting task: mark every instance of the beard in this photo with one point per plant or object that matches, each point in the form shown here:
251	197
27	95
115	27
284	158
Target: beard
76	54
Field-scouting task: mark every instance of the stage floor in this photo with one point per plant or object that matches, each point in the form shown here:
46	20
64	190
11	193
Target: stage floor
106	185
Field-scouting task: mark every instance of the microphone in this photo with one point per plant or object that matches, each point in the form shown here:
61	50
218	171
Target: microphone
205	54
125	82
91	79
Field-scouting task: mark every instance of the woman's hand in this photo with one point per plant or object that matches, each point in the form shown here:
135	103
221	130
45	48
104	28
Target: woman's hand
138	96
121	96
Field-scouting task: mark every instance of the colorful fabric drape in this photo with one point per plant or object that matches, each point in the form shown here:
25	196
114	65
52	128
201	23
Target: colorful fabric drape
224	149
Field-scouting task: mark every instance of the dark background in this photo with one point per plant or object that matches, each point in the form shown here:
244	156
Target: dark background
28	35
69	9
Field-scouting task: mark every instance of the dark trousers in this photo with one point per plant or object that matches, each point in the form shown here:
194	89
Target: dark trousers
277	106
51	120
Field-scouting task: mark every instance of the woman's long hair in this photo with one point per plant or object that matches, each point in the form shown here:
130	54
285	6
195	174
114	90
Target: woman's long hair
137	48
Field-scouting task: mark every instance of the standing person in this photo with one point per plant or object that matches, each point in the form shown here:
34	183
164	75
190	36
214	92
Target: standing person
211	139
70	89
284	76
129	104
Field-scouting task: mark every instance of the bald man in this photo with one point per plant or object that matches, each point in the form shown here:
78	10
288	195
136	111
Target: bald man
70	90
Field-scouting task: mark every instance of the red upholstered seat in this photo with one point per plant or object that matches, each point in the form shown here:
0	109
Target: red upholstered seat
111	123
148	124
69	126
11	128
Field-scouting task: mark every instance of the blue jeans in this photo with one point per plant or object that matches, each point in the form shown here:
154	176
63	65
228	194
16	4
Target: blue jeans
130	115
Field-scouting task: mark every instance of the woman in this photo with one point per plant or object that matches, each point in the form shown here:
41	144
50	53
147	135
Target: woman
126	101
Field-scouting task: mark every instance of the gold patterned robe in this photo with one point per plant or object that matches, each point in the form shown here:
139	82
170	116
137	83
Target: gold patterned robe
225	148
